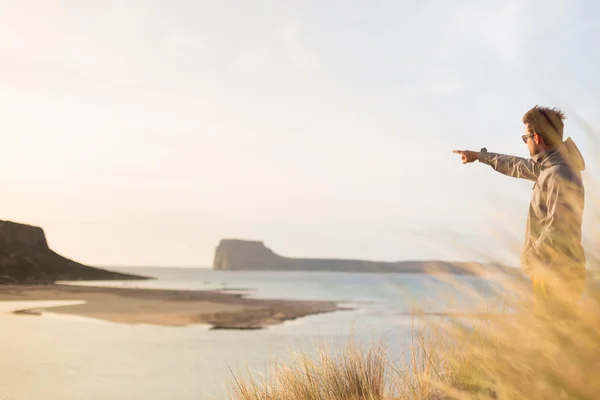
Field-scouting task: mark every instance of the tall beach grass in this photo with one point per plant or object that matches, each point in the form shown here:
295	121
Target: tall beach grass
523	353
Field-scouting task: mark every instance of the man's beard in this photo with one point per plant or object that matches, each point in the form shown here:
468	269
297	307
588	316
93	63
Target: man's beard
535	151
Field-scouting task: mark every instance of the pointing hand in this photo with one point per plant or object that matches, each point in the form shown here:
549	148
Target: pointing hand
467	156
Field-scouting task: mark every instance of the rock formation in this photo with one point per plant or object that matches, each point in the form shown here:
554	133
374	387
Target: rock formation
233	254
26	258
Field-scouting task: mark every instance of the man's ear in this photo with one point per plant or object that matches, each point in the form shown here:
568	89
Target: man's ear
537	138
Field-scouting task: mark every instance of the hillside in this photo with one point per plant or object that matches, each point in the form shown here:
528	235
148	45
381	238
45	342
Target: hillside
26	258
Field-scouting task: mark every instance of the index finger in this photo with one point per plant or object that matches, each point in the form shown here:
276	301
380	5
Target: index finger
458	151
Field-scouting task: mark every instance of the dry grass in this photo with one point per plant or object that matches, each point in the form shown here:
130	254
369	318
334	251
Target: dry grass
353	373
523	353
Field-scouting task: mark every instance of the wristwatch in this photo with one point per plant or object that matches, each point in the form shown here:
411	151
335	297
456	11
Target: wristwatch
482	153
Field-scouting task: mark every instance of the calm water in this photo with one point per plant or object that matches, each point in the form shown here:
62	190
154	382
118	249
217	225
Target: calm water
68	358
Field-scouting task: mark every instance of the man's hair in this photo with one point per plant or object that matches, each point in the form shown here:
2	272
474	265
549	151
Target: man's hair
546	122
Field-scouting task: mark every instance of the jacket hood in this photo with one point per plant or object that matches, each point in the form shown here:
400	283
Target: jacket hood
566	153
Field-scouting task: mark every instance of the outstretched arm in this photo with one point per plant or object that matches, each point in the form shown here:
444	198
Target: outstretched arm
515	167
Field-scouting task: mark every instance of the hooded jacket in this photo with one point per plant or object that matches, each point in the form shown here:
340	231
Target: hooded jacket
553	235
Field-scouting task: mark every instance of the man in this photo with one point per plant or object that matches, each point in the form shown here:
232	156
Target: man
553	256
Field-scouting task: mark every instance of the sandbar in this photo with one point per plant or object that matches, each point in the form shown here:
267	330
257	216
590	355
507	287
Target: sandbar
177	308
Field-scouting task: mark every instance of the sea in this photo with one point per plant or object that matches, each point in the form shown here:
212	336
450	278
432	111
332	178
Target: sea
74	358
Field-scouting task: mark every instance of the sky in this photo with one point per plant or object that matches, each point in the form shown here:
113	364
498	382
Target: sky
140	133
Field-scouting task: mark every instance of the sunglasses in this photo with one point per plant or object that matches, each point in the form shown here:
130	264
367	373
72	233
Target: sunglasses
526	137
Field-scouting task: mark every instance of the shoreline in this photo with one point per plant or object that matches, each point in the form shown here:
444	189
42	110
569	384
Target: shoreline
163	307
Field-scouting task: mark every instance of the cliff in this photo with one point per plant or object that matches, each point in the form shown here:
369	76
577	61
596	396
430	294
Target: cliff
26	258
233	254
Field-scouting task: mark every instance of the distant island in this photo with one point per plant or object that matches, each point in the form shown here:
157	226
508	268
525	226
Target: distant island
25	258
235	254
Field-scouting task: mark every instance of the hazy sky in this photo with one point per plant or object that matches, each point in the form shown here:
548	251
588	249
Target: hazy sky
143	132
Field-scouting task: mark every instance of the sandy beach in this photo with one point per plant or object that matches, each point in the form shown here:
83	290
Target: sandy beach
166	307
